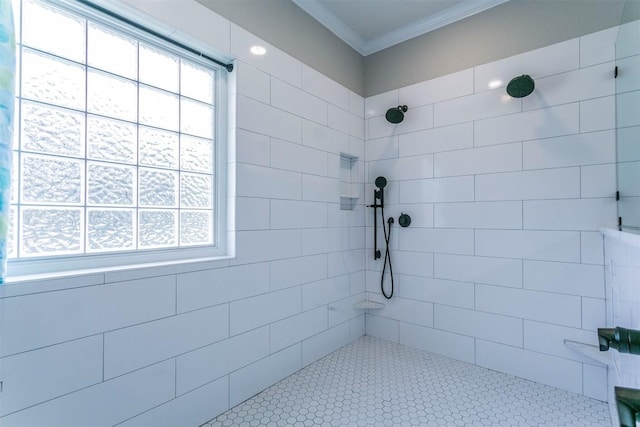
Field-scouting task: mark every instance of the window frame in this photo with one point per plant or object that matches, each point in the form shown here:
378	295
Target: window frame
140	258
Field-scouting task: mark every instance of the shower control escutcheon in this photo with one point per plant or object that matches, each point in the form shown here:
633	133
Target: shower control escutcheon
404	220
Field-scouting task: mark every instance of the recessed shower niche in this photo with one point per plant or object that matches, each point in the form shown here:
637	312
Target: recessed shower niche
349	182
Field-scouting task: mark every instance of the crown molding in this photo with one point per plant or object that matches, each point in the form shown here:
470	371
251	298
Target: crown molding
423	26
332	22
439	20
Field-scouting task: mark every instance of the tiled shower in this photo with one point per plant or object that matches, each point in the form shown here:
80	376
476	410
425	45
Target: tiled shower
506	261
502	263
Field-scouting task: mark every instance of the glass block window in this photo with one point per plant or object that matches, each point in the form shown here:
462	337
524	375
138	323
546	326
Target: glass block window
114	140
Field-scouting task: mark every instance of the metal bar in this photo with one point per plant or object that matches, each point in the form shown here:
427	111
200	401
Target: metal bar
228	67
375	226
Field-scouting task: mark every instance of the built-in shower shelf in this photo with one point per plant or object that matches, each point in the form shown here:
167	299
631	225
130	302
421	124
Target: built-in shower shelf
368	305
350	181
591	351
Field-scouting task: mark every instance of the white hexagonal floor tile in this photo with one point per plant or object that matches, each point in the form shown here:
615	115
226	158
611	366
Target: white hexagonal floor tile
372	382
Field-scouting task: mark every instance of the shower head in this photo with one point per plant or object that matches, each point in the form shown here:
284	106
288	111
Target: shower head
395	115
521	86
381	182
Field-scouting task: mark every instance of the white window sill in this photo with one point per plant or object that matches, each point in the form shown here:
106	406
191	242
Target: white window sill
55	281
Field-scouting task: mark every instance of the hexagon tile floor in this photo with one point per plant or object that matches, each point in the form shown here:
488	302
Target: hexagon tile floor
372	382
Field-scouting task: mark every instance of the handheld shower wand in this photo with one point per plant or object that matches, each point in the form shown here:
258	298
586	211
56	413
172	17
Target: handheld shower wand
378	195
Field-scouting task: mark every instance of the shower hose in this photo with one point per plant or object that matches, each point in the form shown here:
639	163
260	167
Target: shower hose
387	256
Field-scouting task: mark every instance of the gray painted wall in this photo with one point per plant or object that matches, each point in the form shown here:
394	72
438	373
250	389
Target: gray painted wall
285	25
511	28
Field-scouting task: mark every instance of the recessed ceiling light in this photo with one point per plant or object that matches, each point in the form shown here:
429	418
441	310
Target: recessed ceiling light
495	83
258	50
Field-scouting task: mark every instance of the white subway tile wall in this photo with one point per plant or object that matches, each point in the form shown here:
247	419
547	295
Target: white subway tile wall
179	345
506	196
46	373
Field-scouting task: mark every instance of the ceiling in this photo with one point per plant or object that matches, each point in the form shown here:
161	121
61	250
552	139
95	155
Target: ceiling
369	26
